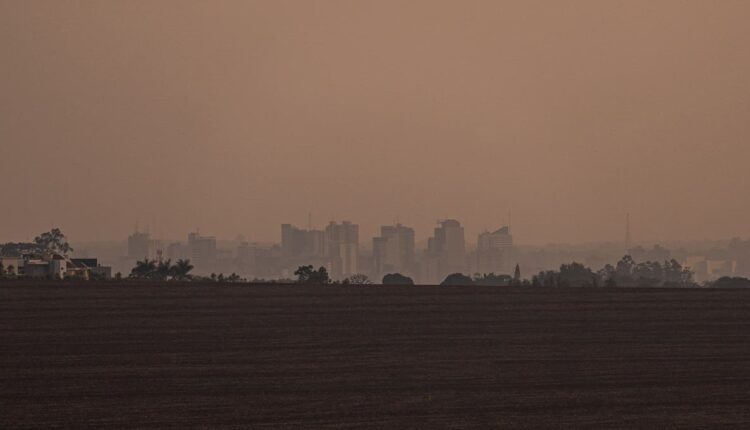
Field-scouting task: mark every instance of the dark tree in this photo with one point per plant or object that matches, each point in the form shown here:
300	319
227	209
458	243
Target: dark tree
181	270
624	271
53	241
577	275
730	282
308	275
570	275
397	279
607	274
548	278
628	273
517	276
163	270
676	275
457	279
145	269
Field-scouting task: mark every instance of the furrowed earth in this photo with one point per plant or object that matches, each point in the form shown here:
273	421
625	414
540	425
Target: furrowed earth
98	355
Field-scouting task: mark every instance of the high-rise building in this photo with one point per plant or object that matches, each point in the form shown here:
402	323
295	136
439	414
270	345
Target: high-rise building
446	251
140	246
393	251
178	251
342	248
202	251
297	243
493	249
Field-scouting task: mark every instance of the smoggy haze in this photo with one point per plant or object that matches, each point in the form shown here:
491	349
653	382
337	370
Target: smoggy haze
237	116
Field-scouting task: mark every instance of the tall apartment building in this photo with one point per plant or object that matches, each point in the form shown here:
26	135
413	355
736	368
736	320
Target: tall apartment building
202	251
178	251
342	248
493	249
446	251
141	246
297	243
393	251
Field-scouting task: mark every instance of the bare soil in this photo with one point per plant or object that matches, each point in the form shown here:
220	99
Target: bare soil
210	356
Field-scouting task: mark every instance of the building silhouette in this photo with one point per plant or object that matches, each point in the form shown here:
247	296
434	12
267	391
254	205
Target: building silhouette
336	247
493	251
393	251
342	248
141	246
446	251
202	251
178	251
297	243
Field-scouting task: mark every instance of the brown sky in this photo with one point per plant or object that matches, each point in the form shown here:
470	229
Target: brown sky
237	116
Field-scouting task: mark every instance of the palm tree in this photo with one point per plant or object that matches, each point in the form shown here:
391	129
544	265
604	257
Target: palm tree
163	270
181	270
144	269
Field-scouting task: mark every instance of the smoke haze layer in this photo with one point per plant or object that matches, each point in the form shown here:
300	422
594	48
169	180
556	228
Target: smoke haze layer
237	116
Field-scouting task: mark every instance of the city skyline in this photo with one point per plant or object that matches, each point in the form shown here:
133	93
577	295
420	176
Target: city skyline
624	232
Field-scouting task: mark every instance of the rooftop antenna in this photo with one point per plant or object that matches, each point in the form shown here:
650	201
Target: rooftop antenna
509	219
627	229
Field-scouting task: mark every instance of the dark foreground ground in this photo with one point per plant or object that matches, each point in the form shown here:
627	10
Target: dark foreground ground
374	357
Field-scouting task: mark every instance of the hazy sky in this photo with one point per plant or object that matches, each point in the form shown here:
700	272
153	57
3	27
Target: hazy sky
237	116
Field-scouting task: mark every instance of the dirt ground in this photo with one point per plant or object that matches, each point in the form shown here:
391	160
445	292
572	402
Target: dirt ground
209	356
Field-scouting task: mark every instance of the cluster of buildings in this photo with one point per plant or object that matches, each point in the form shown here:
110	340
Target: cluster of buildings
200	250
707	269
337	247
54	266
395	250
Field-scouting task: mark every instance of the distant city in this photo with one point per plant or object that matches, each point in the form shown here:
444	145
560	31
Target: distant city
339	248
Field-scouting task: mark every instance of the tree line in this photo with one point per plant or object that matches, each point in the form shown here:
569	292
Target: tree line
162	270
626	273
